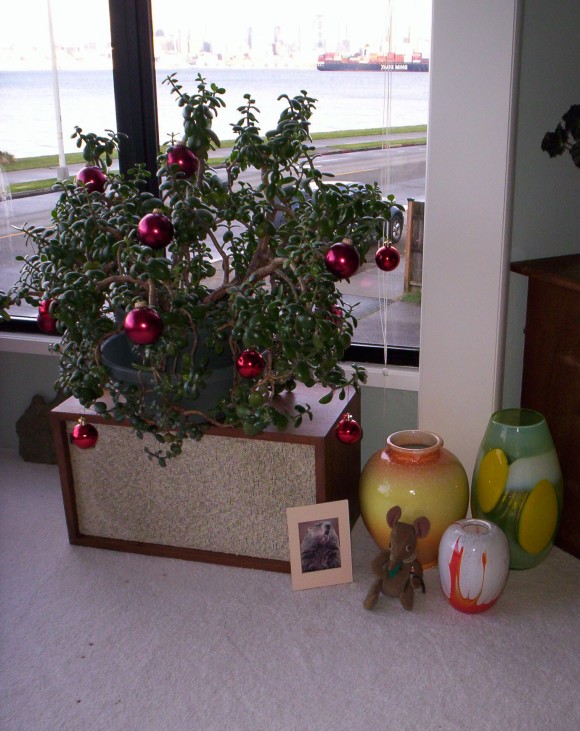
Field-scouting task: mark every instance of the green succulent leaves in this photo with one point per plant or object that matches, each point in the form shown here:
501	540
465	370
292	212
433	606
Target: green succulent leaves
566	136
245	270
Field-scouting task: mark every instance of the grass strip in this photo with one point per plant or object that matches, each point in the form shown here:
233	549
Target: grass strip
375	145
47	183
32	185
44	161
376	131
411	297
72	158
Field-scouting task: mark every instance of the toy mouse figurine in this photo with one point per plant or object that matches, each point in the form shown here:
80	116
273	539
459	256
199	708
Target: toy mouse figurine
397	567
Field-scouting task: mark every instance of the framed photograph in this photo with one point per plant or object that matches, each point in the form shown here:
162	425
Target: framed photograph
320	550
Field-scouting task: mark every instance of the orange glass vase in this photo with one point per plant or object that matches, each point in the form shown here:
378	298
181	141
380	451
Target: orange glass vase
416	472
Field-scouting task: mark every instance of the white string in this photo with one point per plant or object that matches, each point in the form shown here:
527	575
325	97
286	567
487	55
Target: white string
385	178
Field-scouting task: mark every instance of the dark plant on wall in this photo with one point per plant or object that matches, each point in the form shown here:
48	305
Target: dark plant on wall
566	136
230	276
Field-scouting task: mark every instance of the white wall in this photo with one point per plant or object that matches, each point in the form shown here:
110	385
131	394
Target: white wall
547	191
503	72
467	218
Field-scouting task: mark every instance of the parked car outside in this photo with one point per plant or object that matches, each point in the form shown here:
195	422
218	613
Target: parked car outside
397	220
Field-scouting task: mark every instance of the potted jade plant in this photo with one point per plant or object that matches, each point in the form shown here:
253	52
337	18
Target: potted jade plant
214	297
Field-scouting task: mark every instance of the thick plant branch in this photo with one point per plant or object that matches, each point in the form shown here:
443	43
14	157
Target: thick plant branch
273	266
224	256
203	415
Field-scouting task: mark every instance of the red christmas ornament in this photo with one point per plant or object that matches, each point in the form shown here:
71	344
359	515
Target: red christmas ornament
143	325
93	178
337	314
83	435
250	364
155	230
184	157
45	321
387	258
342	259
348	430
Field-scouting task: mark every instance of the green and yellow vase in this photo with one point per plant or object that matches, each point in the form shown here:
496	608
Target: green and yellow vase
517	484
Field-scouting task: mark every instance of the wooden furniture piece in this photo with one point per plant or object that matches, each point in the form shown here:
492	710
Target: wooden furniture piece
551	375
223	500
413	276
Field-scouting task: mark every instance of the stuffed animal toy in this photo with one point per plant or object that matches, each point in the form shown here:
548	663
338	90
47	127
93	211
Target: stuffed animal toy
397	568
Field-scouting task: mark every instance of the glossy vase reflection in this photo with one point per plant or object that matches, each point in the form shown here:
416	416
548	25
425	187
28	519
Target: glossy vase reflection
474	561
414	471
517	484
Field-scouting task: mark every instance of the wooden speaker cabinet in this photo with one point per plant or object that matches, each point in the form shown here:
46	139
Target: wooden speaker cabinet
551	375
223	500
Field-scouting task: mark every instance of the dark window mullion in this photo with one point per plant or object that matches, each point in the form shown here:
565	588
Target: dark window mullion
134	83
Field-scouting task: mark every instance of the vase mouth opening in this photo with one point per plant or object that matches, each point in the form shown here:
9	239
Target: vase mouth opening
517	417
415	442
476	526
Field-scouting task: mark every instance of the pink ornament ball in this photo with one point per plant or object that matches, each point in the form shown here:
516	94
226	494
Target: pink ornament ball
143	326
348	430
184	157
387	258
84	436
45	321
342	260
93	178
155	230
337	314
250	364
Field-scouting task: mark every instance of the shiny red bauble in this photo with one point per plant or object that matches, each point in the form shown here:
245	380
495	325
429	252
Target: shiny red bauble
342	260
250	364
45	321
337	314
93	178
387	258
83	435
348	430
184	157
143	325
155	230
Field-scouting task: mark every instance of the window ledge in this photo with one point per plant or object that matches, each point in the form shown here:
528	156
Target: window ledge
28	343
399	378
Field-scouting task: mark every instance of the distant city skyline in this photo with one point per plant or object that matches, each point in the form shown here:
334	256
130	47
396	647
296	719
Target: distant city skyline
299	29
307	25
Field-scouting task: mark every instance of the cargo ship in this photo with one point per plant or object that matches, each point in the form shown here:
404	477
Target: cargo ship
372	62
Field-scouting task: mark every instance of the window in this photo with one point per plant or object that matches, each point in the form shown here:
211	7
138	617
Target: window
275	50
46	89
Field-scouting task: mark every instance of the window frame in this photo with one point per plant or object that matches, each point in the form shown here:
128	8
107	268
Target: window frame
135	92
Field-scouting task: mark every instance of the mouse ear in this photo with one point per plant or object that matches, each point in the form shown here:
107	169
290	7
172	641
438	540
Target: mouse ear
422	526
393	516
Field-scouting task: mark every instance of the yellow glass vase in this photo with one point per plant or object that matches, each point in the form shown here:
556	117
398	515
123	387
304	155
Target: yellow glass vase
416	472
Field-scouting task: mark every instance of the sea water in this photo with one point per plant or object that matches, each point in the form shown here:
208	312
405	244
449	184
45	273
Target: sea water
346	100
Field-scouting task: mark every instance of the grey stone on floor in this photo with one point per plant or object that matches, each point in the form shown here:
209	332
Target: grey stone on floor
36	442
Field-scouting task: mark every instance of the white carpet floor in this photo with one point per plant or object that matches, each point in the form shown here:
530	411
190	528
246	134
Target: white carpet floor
92	640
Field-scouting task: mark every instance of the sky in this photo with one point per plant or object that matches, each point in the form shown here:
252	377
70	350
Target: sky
338	16
222	21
